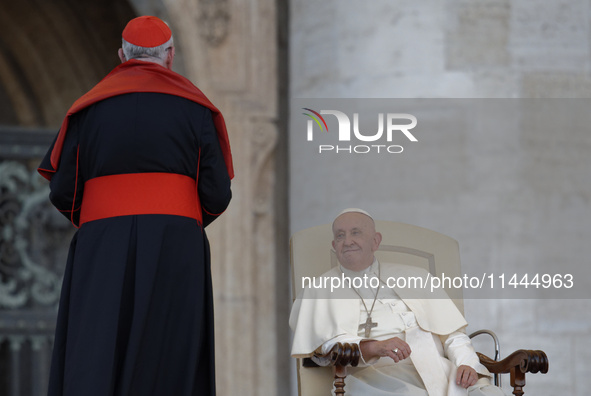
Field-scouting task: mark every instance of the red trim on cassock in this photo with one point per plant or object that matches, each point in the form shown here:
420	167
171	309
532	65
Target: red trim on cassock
75	187
139	76
68	210
138	194
212	214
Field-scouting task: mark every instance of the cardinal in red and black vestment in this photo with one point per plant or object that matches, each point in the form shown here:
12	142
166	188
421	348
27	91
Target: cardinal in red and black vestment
141	164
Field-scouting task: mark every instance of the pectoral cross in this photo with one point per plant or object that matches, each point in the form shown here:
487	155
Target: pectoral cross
368	325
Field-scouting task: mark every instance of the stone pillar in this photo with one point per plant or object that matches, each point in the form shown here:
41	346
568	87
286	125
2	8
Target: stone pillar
229	49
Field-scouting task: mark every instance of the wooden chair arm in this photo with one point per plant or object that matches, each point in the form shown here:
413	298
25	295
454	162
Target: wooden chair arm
342	354
517	364
526	361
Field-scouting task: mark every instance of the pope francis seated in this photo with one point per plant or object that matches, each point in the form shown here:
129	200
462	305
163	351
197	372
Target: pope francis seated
409	346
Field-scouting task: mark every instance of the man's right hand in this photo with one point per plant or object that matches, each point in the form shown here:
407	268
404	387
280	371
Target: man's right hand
394	347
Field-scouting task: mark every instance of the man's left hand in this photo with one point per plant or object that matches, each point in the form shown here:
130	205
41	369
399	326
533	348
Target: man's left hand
466	377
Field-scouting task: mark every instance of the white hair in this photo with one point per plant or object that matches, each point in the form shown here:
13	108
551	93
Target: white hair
132	51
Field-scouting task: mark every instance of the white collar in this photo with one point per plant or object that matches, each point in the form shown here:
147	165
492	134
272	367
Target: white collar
372	269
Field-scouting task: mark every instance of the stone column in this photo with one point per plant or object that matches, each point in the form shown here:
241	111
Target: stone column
229	49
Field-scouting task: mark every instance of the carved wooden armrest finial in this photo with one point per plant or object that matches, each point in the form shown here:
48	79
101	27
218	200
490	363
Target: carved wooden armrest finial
342	354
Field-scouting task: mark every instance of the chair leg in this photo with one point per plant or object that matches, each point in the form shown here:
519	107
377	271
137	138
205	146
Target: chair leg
517	381
340	372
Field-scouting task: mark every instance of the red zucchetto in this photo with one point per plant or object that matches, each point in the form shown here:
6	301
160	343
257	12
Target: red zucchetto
146	31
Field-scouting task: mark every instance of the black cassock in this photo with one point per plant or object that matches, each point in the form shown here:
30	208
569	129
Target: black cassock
136	311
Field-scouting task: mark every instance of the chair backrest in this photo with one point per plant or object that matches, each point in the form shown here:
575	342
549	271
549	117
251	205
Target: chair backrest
312	255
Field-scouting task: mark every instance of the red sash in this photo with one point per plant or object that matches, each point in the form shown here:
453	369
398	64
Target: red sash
140	193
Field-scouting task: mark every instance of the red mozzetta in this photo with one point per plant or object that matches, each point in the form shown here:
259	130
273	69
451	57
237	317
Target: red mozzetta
139	76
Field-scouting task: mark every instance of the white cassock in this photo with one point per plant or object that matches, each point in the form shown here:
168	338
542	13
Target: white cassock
433	328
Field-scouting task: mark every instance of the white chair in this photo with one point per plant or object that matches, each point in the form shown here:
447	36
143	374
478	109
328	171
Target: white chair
312	255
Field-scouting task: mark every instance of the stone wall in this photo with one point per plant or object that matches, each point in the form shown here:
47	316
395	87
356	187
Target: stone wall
516	199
